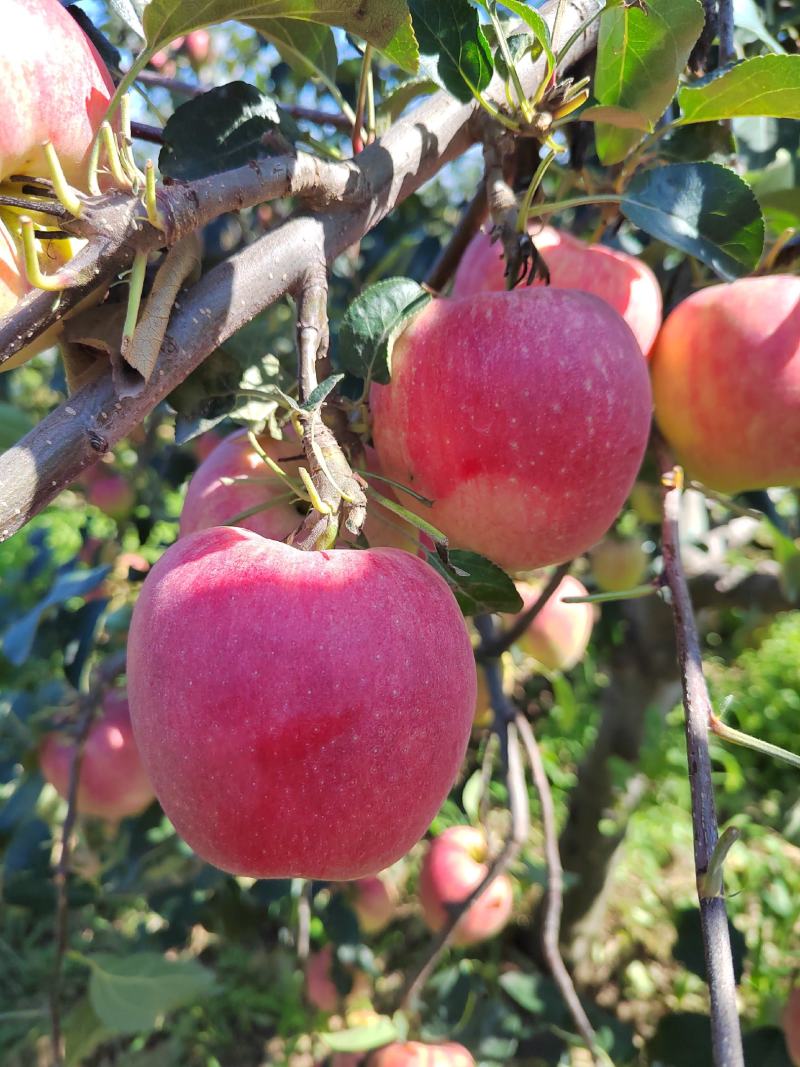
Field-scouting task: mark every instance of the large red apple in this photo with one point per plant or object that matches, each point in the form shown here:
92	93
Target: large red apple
623	281
234	479
726	383
53	87
559	635
418	1054
524	416
113	783
301	714
453	866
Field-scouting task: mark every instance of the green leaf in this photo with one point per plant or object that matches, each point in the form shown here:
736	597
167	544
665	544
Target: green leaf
210	391
224	128
450	30
523	990
478	585
764	85
362	1038
323	390
372	324
622	117
309	49
471	795
386	24
538	27
703	209
641	53
395	102
131	993
83	1032
689	144
747	16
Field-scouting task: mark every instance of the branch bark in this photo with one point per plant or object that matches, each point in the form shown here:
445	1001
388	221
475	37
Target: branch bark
725	1029
95	419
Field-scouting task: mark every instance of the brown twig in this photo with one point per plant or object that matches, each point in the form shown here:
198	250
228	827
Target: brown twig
551	924
725	1029
520	827
87	705
143	131
446	265
499	642
727	49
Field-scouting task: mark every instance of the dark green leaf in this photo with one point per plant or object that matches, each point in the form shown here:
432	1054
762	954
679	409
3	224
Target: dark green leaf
688	948
524	990
478	584
641	54
372	324
766	1047
450	30
682	1040
224	128
690	144
703	209
210	391
130	993
21	802
386	24
323	390
764	85
538	27
309	49
19	637
83	630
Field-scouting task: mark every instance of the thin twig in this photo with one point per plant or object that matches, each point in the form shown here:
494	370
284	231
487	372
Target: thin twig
727	49
87	705
520	827
304	921
725	1029
449	258
500	642
551	925
142	131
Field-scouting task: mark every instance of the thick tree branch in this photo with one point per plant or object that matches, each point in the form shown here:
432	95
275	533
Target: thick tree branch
95	419
725	1029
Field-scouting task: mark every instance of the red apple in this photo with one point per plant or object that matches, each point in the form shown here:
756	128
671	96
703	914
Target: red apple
301	714
791	1025
212	499
726	383
624	282
321	991
418	1054
198	46
113	784
453	866
374	904
559	635
524	416
618	564
112	494
53	87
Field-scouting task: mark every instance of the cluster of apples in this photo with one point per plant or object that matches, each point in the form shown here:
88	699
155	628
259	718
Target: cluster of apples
54	88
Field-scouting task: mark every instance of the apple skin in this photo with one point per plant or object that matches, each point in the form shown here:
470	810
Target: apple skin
623	281
112	494
418	1054
373	903
618	564
523	415
452	867
726	383
210	502
791	1025
113	783
321	991
301	714
559	635
53	87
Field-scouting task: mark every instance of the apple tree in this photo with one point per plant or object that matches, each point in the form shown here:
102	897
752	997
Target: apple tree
400	441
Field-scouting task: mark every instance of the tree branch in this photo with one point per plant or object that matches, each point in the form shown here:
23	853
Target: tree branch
50	457
725	1029
551	924
727	49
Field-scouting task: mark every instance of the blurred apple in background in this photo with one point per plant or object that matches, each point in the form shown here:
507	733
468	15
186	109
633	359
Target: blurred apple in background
618	564
559	635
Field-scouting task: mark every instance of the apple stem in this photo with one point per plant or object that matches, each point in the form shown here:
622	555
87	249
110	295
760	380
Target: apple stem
710	884
154	213
755	744
109	142
135	290
699	716
64	192
136	177
51	283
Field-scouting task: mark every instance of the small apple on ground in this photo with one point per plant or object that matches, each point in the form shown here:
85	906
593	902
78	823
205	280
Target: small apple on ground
419	1054
726	383
618	564
524	416
326	696
113	783
559	635
453	866
623	281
